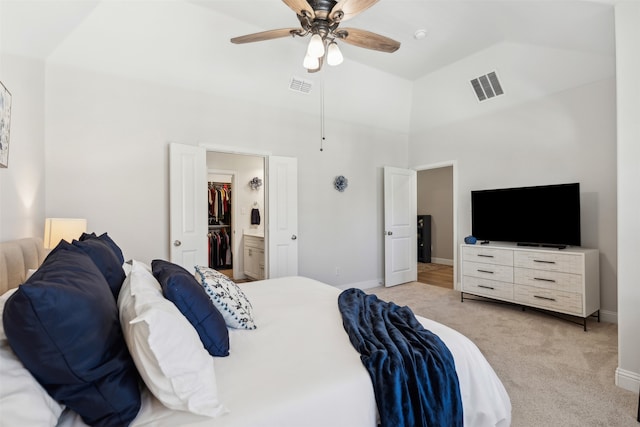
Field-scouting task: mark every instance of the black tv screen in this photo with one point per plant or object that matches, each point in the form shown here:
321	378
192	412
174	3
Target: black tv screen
541	215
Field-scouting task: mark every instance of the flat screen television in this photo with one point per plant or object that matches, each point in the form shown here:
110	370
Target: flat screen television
547	215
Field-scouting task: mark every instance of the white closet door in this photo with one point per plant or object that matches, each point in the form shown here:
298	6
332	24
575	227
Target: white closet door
282	217
188	205
400	226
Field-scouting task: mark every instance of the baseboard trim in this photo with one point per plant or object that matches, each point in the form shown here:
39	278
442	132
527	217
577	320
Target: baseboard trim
444	261
609	316
367	284
627	380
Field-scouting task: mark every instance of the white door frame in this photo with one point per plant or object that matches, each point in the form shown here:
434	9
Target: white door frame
454	174
234	212
248	152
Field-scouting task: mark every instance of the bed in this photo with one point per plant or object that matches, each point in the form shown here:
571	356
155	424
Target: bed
296	368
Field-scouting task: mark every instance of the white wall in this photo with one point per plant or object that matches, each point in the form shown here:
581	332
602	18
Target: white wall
115	99
107	154
343	230
521	140
526	73
628	70
22	184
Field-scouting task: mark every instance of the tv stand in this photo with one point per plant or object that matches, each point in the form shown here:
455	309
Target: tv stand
541	245
555	246
567	282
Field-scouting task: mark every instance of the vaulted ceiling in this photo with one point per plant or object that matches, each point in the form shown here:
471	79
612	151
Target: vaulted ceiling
454	28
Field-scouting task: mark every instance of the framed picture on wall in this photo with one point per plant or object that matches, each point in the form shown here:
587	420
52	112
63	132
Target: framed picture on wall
5	122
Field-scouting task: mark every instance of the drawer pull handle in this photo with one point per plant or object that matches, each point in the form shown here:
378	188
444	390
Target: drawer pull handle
544	280
485	256
486	287
543	261
485	271
544	298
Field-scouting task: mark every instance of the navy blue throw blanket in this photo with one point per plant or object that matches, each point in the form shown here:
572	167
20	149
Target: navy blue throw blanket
412	370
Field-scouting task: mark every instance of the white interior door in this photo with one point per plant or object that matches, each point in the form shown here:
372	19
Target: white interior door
188	205
282	217
400	228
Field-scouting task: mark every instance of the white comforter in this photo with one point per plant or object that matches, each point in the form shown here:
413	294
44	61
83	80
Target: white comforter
299	369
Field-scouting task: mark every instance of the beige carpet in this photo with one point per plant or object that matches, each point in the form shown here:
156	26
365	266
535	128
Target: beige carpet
555	373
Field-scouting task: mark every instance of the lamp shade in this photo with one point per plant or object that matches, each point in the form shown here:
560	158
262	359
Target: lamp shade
57	229
316	46
334	56
310	62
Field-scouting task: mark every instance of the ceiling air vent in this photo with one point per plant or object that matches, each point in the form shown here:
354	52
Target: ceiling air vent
487	86
299	85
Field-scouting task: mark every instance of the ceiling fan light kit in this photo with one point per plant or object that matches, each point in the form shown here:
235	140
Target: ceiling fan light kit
311	62
321	19
316	46
334	56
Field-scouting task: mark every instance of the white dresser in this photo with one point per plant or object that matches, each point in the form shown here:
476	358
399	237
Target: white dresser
254	256
565	281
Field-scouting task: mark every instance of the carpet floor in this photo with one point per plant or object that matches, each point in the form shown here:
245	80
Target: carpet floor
555	373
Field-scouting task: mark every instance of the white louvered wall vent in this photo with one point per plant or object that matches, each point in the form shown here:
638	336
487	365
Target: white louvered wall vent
487	86
299	85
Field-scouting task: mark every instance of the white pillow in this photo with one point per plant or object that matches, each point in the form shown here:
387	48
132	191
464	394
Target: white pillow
30	272
23	401
227	297
165	347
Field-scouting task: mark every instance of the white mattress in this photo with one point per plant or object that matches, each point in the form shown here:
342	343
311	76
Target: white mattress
299	369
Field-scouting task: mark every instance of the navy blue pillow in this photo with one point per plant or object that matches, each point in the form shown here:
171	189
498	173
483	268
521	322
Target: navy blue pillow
181	287
63	325
106	261
104	237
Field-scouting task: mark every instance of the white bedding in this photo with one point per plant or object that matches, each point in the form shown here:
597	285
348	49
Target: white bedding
299	369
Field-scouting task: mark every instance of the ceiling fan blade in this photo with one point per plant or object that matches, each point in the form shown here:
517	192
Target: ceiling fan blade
351	8
264	35
299	6
368	40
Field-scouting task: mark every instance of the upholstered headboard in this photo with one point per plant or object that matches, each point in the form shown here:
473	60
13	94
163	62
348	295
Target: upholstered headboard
16	257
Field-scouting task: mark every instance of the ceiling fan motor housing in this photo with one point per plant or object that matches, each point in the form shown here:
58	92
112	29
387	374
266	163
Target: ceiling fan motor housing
322	7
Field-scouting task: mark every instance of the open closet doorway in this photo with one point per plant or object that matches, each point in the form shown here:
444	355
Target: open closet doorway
436	225
236	201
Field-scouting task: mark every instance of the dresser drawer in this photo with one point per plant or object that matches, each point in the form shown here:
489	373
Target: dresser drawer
488	288
253	242
550	261
548	279
487	255
499	273
567	302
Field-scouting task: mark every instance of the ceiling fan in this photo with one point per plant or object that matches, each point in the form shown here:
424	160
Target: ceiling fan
321	19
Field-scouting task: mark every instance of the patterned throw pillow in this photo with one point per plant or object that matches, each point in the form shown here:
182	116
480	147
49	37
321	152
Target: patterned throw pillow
227	297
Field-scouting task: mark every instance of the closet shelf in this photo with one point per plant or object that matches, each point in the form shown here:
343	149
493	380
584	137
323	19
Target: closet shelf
218	226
